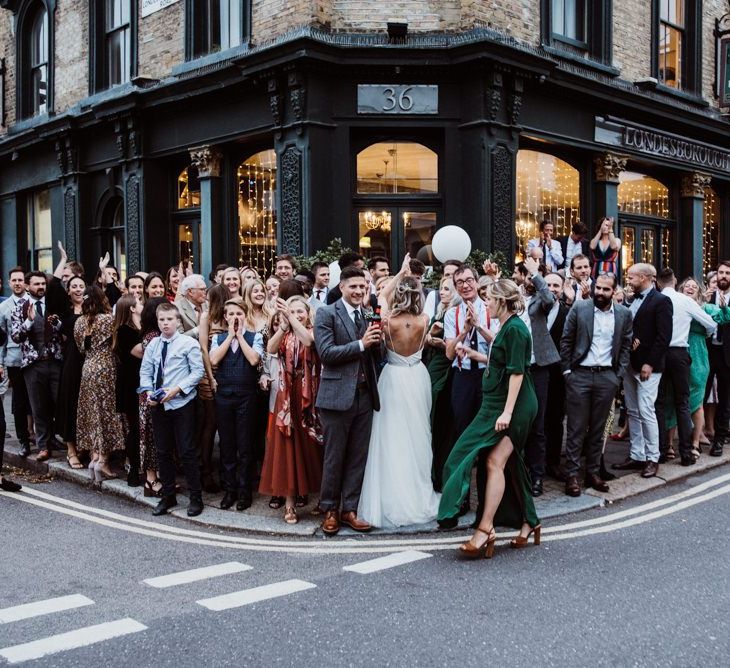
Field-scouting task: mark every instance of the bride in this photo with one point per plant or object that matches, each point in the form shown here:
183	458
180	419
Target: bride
397	489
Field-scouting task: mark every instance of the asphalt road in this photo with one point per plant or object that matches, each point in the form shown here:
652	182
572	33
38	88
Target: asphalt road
643	583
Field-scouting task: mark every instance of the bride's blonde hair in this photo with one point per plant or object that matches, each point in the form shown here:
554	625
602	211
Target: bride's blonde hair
506	292
407	298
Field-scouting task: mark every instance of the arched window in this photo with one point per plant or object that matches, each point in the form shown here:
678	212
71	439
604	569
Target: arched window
642	195
257	211
547	188
188	188
402	168
710	231
38	63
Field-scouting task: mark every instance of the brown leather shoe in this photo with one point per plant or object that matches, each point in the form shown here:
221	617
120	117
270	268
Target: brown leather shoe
595	481
650	470
629	465
351	520
572	488
331	522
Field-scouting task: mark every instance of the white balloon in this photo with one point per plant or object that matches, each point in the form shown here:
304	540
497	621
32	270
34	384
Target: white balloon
451	243
334	274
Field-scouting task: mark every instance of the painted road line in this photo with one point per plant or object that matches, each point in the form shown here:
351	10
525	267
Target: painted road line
195	574
237	599
47	607
90	635
389	561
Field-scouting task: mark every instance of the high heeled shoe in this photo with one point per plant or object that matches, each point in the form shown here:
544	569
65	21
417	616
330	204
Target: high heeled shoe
100	475
149	488
523	541
484	551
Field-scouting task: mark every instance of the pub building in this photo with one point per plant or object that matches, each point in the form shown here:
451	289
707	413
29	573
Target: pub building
375	139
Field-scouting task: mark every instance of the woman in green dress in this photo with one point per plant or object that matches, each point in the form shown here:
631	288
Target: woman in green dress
501	427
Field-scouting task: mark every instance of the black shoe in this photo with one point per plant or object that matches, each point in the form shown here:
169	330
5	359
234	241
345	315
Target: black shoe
572	488
24	450
629	465
244	502
448	524
536	489
210	486
716	449
229	498
133	478
688	461
9	485
166	502
196	505
603	473
596	482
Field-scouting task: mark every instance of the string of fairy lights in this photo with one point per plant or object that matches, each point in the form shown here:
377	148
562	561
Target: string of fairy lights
710	231
642	195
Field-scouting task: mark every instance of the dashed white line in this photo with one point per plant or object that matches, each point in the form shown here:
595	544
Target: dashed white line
389	561
46	607
237	599
196	574
62	642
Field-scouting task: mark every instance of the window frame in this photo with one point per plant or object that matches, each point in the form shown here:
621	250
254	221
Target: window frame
26	18
195	26
583	8
691	53
31	225
99	61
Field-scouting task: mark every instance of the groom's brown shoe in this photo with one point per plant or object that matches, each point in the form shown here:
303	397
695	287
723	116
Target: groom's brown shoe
331	522
351	520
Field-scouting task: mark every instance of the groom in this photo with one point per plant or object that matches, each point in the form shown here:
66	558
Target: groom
348	394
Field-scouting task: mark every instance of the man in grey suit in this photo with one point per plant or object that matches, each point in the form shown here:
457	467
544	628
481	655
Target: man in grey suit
347	396
594	354
191	302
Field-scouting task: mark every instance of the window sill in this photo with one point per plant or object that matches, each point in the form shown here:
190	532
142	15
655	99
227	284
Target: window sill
28	123
107	94
584	61
210	59
653	85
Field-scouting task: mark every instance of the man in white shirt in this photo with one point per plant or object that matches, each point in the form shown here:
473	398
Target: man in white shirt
320	289
552	253
377	268
676	369
579	284
719	352
574	243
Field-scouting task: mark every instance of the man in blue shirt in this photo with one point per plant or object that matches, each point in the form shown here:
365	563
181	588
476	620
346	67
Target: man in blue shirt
171	369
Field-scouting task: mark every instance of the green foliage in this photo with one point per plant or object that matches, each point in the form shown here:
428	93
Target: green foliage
330	254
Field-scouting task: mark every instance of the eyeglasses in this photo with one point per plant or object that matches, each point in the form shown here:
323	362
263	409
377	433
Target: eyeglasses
465	281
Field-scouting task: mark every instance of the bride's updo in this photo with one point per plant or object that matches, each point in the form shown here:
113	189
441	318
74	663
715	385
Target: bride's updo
507	294
407	298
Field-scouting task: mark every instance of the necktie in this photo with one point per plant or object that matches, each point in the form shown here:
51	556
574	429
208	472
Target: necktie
319	295
161	367
358	322
39	308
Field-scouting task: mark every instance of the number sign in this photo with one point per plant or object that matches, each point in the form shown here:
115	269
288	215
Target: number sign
397	99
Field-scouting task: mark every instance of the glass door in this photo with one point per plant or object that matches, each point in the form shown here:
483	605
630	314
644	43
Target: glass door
642	242
394	231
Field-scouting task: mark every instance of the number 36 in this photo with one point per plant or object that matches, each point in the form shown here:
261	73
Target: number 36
403	101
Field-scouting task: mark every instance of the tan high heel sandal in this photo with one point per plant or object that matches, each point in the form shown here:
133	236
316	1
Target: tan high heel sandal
523	541
484	551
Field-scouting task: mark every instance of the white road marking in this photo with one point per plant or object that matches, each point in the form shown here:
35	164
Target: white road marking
62	642
195	574
389	561
596	525
237	599
47	607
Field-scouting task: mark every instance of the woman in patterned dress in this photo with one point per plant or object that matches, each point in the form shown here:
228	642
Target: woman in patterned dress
605	247
99	428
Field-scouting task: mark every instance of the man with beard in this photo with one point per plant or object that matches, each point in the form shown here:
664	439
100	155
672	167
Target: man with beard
719	349
594	354
578	285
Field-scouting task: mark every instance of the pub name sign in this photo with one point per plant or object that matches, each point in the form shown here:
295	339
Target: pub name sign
660	144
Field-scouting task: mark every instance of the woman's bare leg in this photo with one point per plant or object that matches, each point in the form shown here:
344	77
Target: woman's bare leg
698	424
496	461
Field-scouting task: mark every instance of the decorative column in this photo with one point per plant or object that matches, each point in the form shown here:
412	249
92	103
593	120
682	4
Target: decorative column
608	167
208	161
691	223
67	156
129	144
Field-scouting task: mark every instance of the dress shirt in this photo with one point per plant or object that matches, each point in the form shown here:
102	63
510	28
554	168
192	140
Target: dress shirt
637	302
351	312
450	330
320	294
183	368
258	344
552	256
525	317
715	340
685	311
572	248
553	314
601	350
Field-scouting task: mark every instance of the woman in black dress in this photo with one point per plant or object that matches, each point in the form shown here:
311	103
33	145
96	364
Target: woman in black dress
127	346
69	384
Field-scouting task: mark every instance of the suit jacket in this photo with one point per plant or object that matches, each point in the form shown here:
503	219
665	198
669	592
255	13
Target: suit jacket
52	347
578	336
543	347
653	329
338	347
9	351
556	331
585	249
188	316
723	330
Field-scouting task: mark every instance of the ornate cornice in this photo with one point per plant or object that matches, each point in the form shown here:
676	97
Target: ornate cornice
693	185
207	159
608	166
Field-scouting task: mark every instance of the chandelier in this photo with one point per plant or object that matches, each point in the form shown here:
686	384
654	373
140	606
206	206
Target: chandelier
376	220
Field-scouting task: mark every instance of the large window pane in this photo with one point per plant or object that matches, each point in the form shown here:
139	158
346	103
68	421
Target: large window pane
546	186
42	219
374	230
568	19
188	188
670	56
419	228
642	195
257	211
39	63
397	168
672	11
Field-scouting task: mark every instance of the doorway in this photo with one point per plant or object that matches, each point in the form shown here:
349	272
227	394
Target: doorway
393	231
643	241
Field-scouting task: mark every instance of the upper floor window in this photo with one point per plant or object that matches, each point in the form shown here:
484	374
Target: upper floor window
113	30
38	64
676	55
581	28
40	242
216	25
569	20
397	168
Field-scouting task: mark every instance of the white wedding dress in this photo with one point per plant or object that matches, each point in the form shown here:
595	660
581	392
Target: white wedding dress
397	489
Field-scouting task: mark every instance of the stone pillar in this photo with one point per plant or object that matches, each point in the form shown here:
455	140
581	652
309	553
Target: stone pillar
129	145
608	166
67	156
208	161
691	221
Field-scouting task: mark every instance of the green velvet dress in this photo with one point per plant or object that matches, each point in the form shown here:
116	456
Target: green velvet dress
510	356
442	419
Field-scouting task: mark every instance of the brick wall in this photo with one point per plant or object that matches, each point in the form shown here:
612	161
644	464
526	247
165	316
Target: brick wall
421	15
632	39
161	40
7	51
712	9
271	18
71	53
519	18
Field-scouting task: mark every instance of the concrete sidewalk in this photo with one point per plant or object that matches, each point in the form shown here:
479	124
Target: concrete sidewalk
263	520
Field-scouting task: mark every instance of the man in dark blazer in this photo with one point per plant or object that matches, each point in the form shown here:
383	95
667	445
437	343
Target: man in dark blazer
594	354
347	397
652	313
575	243
719	353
